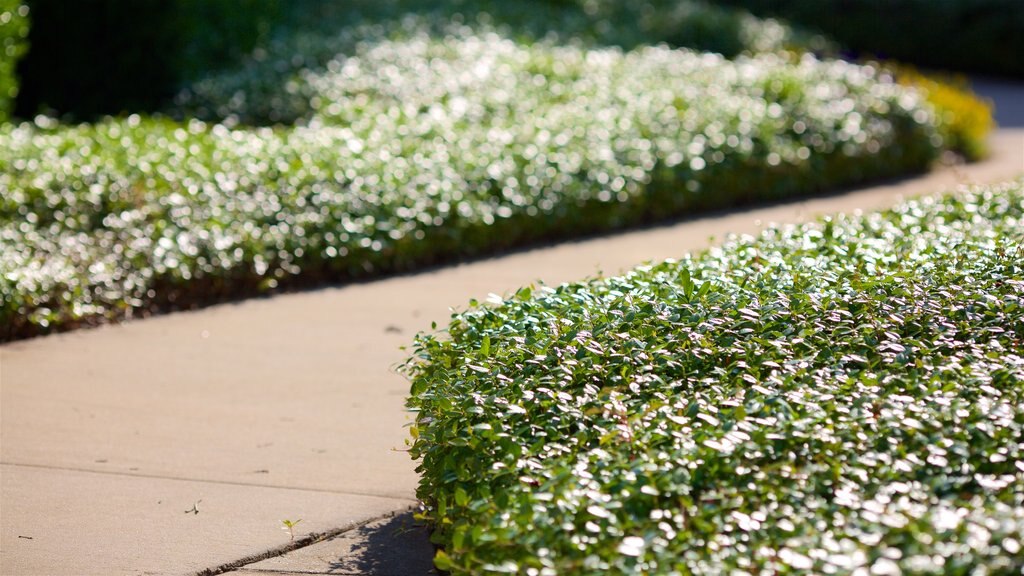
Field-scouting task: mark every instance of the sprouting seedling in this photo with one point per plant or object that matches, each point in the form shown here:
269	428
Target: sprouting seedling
290	527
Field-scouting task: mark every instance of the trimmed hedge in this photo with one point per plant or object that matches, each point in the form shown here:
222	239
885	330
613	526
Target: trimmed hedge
271	86
422	151
277	84
843	397
13	35
985	36
96	57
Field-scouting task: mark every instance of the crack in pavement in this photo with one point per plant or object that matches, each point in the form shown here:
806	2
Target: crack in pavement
208	481
304	542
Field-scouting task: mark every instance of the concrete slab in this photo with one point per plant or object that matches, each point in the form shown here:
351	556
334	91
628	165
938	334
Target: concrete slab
255	393
77	523
393	546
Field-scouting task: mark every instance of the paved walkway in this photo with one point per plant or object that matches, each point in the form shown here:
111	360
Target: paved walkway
178	444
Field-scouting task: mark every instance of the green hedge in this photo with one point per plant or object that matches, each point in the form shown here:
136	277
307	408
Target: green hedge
275	86
843	397
96	57
13	36
984	36
426	150
270	87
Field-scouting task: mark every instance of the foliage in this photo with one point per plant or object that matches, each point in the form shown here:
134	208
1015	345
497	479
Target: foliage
271	86
964	119
13	36
424	150
982	36
274	85
842	397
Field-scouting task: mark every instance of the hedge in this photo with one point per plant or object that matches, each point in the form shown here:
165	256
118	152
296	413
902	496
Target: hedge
842	397
13	35
421	151
271	86
97	57
981	36
276	85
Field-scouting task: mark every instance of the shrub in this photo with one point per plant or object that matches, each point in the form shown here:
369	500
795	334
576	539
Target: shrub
963	119
274	86
13	35
985	36
421	151
270	87
838	397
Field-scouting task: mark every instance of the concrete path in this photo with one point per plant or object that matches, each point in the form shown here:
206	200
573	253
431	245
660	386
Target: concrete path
178	444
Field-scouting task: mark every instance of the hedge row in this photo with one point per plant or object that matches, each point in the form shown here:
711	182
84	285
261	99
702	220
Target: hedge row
985	36
271	86
844	397
425	150
279	83
112	56
13	36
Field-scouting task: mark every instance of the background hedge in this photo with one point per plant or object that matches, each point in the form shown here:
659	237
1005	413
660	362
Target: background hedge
423	150
407	134
271	87
842	397
13	44
983	36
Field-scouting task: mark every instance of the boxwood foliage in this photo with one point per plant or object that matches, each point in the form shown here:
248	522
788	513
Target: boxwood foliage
423	150
842	397
278	84
271	86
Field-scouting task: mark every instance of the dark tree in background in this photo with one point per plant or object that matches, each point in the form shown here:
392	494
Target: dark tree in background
979	36
93	57
88	58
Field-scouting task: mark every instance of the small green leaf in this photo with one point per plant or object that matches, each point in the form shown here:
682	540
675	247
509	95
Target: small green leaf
687	283
442	561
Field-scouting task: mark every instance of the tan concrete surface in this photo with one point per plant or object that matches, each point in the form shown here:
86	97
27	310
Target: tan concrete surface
275	404
65	522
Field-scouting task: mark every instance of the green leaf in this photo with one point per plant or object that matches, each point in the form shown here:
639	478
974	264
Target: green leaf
442	561
686	283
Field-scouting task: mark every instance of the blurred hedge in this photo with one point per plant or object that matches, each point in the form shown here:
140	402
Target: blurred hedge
94	57
13	33
407	163
982	36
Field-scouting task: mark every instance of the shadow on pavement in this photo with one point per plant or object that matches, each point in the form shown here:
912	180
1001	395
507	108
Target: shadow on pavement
397	546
